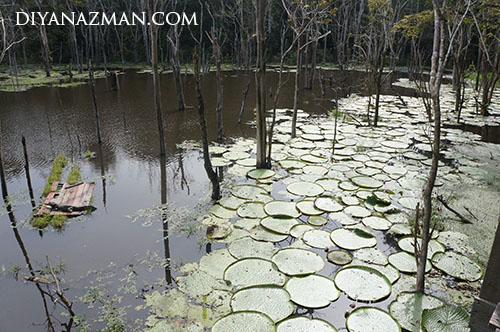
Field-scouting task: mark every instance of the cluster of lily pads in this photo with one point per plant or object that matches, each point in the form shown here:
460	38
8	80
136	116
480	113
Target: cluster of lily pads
276	230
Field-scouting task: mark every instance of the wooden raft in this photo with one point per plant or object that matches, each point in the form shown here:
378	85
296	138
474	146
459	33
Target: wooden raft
70	200
495	319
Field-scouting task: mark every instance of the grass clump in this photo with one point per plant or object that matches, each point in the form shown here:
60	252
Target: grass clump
41	222
55	174
74	176
58	221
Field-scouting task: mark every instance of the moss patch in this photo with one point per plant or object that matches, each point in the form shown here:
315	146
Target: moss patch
58	221
55	174
42	221
74	176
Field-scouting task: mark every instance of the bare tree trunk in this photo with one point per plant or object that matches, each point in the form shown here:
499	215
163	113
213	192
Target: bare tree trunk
153	29
260	77
204	136
243	101
220	88
27	171
94	100
296	91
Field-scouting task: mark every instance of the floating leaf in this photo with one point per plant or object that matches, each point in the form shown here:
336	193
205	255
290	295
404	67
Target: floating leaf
247	247
371	255
407	244
370	319
406	262
352	239
339	257
303	324
252	210
307	207
295	261
248	192
312	291
317	220
445	319
273	301
407	309
357	211
298	230
244	321
366	182
317	239
328	204
260	233
377	223
457	266
281	208
259	174
363	283
253	272
305	189
279	225
216	262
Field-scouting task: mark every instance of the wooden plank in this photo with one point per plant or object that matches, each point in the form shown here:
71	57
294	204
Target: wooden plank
480	315
495	318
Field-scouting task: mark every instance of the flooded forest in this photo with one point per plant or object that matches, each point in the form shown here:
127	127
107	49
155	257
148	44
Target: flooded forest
250	165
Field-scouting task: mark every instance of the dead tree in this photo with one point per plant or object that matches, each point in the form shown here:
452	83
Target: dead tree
204	135
260	84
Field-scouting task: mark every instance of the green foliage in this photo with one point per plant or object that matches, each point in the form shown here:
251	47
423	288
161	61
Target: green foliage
74	176
411	26
42	221
55	174
58	221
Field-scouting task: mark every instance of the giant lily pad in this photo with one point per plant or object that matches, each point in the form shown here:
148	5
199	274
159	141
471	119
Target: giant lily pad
272	301
307	207
295	261
407	309
244	321
279	225
370	319
247	247
216	262
377	223
407	244
445	319
260	233
300	323
298	230
252	210
357	211
282	208
253	272
248	192
371	255
367	182
317	239
305	189
197	283
352	239
339	257
260	174
312	291
317	220
328	204
457	266
406	262
363	283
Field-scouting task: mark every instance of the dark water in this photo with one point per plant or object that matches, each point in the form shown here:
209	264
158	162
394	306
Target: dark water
61	120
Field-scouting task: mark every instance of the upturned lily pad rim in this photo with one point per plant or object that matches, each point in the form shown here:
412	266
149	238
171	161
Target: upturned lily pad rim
272	325
283	215
252	258
438	254
268	173
368	269
371	308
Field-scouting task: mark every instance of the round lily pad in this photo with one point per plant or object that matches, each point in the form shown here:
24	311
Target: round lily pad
457	266
312	291
408	307
445	319
260	233
259	174
339	257
317	220
363	283
247	247
305	189
315	170
408	202
300	323
406	262
328	204
328	184
222	212
357	211
235	155
253	272
371	255
298	230
251	210
292	164
377	223
352	239
370	319
342	218
366	182
216	262
282	208
279	225
307	207
248	191
295	261
407	244
244	321
388	270
272	301
317	239
231	202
